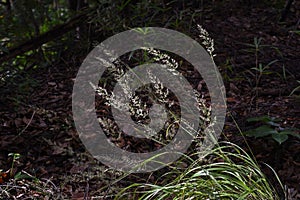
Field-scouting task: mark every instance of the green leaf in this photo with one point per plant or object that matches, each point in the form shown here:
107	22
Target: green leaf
14	155
272	62
267	72
292	133
255	68
294	90
260	119
280	137
21	175
261	131
297	32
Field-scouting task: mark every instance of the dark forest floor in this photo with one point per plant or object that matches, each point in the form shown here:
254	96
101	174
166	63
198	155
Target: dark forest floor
39	125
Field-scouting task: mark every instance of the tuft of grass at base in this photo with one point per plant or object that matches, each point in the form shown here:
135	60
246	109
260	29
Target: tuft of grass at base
231	174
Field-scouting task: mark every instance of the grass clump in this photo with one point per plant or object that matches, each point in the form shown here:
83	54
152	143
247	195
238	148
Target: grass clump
231	173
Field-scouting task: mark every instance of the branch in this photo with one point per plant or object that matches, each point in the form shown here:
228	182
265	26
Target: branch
54	33
286	10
